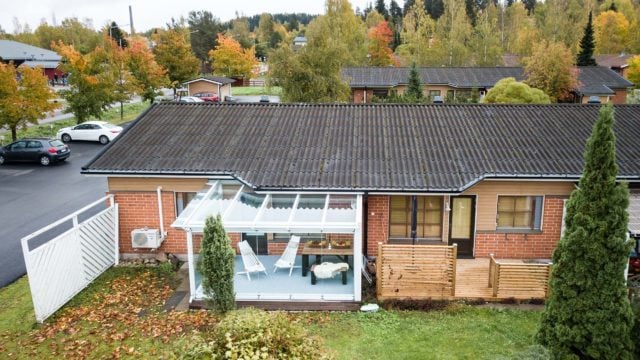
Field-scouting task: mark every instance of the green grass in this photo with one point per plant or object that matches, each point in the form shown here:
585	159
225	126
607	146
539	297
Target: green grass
461	332
131	111
16	309
256	90
458	332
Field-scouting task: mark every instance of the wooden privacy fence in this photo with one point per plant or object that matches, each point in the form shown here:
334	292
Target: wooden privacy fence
66	264
416	271
519	280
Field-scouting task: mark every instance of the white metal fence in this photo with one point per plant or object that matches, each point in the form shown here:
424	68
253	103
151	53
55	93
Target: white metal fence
66	264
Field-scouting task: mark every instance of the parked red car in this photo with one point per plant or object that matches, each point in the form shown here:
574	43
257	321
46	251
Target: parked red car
209	97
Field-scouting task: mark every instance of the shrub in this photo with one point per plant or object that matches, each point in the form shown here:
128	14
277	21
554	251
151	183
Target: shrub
216	264
256	334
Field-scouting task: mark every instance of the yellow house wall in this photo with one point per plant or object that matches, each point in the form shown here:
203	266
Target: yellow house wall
487	196
151	184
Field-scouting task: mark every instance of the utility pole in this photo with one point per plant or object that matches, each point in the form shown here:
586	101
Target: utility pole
131	21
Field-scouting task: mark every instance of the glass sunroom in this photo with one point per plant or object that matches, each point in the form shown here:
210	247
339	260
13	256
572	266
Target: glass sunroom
328	224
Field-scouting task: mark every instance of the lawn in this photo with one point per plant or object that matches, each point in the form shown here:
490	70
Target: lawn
459	332
120	315
256	90
131	111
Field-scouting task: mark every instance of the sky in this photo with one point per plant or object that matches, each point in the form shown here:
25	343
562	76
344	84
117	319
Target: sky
148	14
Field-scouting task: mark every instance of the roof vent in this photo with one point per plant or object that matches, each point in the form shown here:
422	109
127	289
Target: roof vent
593	100
438	99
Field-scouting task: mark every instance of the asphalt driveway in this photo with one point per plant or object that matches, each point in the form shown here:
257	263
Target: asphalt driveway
33	196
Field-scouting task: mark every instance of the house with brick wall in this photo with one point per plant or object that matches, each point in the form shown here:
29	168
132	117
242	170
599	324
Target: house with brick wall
492	179
459	83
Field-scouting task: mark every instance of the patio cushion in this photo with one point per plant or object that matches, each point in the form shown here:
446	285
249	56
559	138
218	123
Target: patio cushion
328	270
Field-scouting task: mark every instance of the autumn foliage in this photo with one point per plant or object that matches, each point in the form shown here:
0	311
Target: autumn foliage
550	69
25	97
380	36
126	309
634	70
612	32
150	76
231	60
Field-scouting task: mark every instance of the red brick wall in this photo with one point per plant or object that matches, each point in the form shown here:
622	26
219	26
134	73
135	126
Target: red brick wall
377	223
358	96
620	96
138	209
512	245
523	246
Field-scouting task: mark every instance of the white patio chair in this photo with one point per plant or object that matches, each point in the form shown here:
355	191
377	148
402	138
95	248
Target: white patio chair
250	260
288	258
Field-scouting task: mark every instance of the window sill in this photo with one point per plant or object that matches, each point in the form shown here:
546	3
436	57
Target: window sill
518	231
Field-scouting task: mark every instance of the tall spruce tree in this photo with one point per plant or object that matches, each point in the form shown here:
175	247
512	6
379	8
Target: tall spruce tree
588	315
587	45
414	88
216	264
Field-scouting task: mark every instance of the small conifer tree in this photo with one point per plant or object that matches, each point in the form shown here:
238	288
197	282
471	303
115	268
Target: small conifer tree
216	264
587	44
414	88
588	315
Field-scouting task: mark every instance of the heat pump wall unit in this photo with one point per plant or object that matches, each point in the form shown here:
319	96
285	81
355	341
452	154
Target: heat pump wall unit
146	239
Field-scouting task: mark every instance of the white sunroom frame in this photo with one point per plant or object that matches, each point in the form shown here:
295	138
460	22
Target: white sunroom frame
352	225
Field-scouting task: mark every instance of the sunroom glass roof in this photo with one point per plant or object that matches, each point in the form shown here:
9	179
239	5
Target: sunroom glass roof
243	210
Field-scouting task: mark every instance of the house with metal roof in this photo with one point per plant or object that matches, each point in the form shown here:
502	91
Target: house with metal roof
459	82
21	54
492	179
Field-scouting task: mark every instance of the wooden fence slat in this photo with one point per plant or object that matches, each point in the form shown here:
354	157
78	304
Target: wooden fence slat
415	271
519	280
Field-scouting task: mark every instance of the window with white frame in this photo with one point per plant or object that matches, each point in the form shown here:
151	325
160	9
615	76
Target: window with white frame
182	200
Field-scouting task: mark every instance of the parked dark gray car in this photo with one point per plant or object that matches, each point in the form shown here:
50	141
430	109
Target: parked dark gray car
43	150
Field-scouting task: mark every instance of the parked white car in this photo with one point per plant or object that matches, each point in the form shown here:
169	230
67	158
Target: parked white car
101	131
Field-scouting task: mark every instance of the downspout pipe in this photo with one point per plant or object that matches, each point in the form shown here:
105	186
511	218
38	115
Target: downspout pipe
162	233
414	218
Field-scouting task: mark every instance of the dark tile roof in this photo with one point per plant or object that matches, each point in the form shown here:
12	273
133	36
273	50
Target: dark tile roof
217	79
464	77
376	147
590	78
593	79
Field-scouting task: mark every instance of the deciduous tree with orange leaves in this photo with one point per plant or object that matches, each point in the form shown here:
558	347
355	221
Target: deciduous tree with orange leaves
231	60
92	81
25	97
149	75
380	37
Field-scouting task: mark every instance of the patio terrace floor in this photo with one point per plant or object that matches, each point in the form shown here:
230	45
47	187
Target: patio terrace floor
281	286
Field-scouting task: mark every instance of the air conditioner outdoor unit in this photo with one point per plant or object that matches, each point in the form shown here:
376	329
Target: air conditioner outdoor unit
146	238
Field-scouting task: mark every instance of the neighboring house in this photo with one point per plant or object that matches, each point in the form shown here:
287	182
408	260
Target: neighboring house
28	55
618	63
491	178
299	42
210	84
460	82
